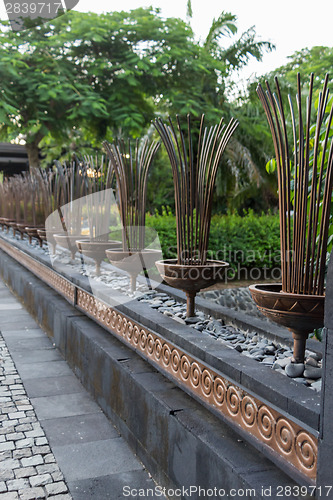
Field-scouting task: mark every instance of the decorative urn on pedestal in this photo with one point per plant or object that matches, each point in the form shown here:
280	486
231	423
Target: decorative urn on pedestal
194	160
131	166
305	180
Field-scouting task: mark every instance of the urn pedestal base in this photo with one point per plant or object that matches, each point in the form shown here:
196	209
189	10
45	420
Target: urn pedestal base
191	278
300	313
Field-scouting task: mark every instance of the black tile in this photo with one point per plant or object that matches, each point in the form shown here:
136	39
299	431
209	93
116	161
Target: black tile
79	429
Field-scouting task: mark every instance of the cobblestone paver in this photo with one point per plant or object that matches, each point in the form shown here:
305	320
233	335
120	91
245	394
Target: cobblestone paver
28	469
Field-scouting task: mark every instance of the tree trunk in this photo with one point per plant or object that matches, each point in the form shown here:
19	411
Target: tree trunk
33	153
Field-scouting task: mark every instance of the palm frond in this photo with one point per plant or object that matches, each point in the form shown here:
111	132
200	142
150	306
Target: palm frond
189	11
224	25
241	164
239	53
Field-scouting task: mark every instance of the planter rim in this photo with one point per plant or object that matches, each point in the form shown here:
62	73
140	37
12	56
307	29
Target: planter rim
129	253
209	263
274	289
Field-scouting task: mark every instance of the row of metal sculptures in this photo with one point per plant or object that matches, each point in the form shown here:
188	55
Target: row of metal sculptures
305	180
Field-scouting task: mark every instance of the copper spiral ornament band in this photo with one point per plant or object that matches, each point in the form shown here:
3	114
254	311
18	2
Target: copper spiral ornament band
280	434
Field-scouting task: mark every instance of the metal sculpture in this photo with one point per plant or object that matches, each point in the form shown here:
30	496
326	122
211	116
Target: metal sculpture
131	166
34	210
98	207
22	200
194	172
73	188
8	205
305	181
49	186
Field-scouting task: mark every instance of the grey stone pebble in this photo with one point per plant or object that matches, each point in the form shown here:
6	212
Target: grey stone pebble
294	369
300	380
179	320
192	320
311	362
268	360
231	337
169	303
312	372
199	327
279	370
238	348
256	350
315	355
316	385
282	362
156	305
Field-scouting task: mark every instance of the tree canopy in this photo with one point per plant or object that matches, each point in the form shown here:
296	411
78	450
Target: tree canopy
88	75
83	77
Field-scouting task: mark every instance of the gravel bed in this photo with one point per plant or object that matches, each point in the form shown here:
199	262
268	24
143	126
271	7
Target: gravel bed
238	299
262	350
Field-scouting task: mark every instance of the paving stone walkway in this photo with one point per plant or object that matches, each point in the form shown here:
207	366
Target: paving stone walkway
55	442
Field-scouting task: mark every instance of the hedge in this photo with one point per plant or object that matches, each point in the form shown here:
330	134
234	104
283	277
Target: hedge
249	240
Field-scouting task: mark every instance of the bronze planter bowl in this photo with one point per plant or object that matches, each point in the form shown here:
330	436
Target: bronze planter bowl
133	262
21	228
68	241
46	236
191	278
49	238
7	223
96	250
300	313
13	224
32	232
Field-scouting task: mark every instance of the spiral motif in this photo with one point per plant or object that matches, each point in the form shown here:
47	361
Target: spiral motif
99	308
185	367
166	355
249	411
136	335
129	330
175	360
123	327
150	344
285	435
108	318
306	450
195	374
113	319
206	383
219	391
143	339
119	324
158	349
233	400
91	305
266	423
103	314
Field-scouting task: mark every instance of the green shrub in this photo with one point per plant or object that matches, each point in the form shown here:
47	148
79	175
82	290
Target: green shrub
248	240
